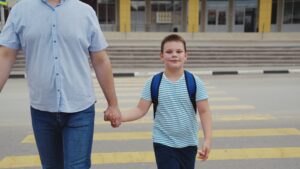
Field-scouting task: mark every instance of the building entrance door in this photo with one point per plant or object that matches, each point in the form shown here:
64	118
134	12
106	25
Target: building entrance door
245	16
167	16
216	16
249	20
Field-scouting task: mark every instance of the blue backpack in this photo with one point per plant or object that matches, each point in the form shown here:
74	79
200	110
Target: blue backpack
190	84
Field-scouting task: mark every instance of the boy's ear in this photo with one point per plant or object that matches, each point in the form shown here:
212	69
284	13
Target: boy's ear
161	55
186	56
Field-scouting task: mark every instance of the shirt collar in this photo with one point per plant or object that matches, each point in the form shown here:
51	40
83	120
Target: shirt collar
61	1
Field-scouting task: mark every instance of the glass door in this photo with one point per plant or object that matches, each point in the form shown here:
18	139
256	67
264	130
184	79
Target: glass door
249	20
166	15
138	15
216	16
245	17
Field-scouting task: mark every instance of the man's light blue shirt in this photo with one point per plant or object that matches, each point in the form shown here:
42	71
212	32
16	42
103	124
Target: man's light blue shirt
56	42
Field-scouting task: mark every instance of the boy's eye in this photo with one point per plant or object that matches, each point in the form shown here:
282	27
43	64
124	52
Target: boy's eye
179	51
169	52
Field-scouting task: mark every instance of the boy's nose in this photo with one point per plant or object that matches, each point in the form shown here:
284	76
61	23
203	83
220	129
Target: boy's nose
174	55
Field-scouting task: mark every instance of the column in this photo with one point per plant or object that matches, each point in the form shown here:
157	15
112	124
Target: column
193	15
184	16
231	11
125	22
148	15
2	19
280	15
203	15
265	11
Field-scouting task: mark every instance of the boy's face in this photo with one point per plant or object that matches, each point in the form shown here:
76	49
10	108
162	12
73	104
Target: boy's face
174	55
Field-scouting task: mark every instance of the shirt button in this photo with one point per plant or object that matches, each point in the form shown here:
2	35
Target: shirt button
57	74
54	41
58	90
56	58
53	26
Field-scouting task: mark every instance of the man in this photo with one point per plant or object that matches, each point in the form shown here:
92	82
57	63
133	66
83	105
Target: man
57	38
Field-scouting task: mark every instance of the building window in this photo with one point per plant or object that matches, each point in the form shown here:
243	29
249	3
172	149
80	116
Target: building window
292	12
107	12
274	12
239	17
211	19
296	18
92	3
222	18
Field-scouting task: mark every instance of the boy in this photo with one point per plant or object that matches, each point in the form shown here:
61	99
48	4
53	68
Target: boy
175	131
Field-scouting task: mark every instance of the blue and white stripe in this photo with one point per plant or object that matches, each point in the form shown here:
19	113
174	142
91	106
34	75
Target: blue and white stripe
175	123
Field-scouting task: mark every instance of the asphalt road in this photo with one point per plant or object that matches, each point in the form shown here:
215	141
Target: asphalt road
256	125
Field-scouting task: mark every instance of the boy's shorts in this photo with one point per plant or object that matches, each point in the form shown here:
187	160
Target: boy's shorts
175	158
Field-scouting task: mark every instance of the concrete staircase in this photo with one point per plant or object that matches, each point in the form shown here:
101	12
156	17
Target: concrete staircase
140	50
147	56
208	56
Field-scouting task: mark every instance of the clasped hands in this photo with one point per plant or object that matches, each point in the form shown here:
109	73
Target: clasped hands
113	115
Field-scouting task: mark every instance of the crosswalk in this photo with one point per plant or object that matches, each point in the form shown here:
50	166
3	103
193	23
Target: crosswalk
99	136
226	109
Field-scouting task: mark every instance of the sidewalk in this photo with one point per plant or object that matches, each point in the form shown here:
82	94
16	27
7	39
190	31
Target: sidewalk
135	72
212	71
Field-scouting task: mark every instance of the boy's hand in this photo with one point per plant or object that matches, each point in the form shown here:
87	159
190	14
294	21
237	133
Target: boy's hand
204	152
113	115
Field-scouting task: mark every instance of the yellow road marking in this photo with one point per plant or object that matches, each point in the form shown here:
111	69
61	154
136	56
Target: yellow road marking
20	161
223	99
100	136
243	117
232	107
148	156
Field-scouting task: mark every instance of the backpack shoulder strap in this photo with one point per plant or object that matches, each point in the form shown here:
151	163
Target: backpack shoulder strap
191	87
155	90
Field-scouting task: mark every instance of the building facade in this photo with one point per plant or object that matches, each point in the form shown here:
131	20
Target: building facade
198	15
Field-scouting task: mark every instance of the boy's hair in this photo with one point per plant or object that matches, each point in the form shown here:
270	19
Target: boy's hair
170	38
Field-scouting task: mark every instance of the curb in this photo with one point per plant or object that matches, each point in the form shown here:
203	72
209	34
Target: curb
213	73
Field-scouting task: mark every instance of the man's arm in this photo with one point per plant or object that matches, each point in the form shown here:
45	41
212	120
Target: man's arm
103	70
7	59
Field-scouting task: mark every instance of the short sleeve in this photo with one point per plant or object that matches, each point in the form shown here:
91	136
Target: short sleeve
201	93
9	37
98	41
146	94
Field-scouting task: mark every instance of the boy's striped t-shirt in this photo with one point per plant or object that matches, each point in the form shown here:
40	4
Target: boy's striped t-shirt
175	123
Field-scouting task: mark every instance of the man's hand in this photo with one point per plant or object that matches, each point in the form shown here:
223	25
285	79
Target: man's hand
113	115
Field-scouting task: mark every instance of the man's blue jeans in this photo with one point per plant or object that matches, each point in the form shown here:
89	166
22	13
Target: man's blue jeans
64	140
